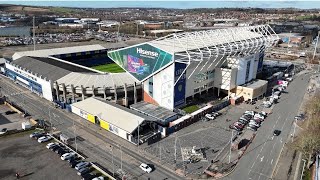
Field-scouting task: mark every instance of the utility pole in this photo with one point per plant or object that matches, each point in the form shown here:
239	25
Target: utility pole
230	147
112	161
75	136
175	149
121	156
34	34
50	120
138	134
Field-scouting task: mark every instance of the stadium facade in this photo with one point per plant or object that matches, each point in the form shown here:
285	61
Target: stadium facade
180	66
64	75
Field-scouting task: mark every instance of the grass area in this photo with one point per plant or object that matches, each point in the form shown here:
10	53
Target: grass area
62	10
307	175
190	109
111	68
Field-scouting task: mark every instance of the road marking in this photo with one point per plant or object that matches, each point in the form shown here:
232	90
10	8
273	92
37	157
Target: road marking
271	161
255	161
261	159
281	140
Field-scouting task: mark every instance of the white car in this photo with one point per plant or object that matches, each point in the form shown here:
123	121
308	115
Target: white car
252	123
67	156
263	113
145	168
81	165
210	116
44	139
98	178
258	116
50	145
252	113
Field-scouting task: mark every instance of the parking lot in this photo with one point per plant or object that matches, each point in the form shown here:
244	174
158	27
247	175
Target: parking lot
32	160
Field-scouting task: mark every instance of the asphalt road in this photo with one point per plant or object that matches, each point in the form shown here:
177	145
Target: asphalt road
41	108
260	158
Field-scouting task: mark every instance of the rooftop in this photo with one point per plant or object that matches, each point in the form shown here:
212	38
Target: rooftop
112	113
153	110
56	51
96	79
47	67
255	83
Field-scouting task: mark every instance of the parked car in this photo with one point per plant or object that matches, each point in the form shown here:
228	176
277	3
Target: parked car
264	114
210	116
276	132
257	120
243	121
3	130
258	116
37	135
54	148
98	178
50	145
216	114
253	123
88	176
252	128
62	151
44	139
67	156
251	113
246	116
82	165
299	117
234	127
84	170
73	163
145	168
238	125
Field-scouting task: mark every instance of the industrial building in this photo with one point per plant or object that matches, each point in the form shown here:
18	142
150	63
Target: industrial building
124	122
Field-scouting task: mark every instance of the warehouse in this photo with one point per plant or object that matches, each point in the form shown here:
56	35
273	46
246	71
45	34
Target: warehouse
126	123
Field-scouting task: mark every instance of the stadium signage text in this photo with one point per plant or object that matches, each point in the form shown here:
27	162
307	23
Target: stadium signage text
147	53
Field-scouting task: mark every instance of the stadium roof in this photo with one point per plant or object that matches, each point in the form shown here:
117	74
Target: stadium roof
195	46
56	51
47	67
112	113
97	80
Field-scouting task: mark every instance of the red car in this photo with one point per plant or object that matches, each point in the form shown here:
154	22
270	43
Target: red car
238	125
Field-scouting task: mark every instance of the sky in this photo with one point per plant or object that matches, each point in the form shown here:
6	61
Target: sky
180	4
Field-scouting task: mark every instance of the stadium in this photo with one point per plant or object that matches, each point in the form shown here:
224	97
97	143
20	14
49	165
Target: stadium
68	75
154	78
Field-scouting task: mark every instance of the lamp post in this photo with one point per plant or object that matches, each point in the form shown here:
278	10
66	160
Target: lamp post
230	146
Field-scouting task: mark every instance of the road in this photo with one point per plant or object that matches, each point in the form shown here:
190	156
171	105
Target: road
261	157
63	121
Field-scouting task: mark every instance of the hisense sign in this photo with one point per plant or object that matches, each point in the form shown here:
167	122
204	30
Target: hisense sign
147	53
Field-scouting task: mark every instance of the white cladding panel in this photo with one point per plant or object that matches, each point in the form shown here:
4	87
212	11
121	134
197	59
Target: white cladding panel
163	89
46	85
202	79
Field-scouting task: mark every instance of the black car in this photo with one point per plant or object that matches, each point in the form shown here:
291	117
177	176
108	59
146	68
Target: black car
58	149
276	132
88	176
62	151
72	164
54	148
10	112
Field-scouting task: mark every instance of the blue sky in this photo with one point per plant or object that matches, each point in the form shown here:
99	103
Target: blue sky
173	4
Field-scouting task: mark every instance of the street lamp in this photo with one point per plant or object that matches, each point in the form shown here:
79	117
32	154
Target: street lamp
230	146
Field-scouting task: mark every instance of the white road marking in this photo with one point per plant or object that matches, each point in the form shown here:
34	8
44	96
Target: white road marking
261	159
255	161
271	161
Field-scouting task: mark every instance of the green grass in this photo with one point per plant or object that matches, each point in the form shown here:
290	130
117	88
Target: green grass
190	109
62	10
111	68
307	175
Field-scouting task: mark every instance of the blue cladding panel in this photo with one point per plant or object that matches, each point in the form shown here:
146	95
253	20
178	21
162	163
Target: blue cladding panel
180	87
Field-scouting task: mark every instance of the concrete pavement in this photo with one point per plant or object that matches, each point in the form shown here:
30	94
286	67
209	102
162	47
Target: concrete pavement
93	141
260	158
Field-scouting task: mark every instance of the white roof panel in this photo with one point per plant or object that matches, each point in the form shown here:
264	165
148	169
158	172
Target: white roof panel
114	114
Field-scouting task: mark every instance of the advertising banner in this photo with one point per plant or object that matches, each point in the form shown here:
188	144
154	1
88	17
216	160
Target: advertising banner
180	87
141	61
